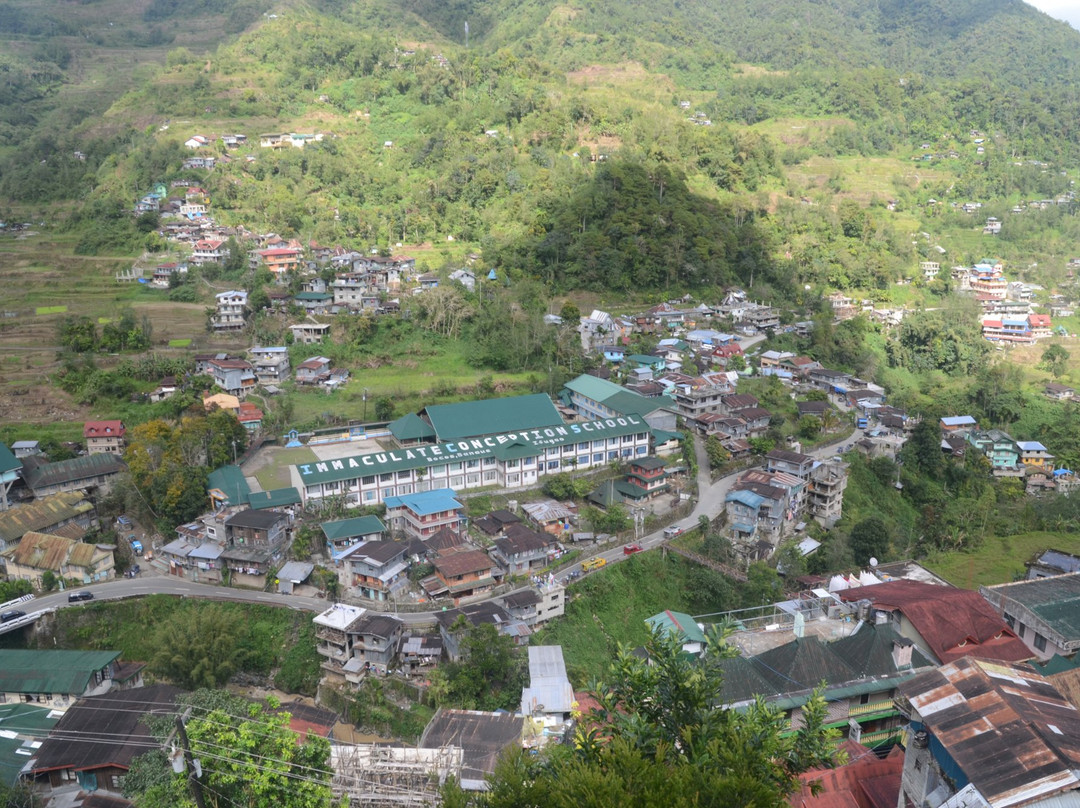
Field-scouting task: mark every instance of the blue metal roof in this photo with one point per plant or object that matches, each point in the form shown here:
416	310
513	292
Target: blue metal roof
747	498
426	502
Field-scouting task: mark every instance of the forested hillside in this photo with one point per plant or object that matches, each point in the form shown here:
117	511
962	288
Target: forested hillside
615	145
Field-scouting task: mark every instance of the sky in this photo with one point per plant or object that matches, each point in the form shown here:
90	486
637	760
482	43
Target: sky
1068	10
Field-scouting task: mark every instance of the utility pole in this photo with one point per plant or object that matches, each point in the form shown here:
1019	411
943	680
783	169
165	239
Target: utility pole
189	759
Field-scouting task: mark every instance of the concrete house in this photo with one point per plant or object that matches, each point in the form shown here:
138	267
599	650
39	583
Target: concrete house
522	550
377	568
235	376
231	310
463	575
104	436
271	365
424	513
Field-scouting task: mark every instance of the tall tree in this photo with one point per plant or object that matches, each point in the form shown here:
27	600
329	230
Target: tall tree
659	738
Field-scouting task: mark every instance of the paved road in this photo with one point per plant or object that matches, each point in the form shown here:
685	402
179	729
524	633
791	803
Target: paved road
710	503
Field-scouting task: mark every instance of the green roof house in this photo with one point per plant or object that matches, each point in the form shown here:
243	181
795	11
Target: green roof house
411	429
470	419
598	398
227	486
682	626
57	679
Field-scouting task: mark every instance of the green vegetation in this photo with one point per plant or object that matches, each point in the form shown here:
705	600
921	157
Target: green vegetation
277	644
999	559
658	739
249	756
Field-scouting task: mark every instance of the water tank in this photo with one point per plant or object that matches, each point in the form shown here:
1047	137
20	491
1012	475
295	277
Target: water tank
921	739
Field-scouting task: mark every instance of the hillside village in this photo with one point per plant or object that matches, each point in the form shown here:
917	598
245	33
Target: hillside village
660	404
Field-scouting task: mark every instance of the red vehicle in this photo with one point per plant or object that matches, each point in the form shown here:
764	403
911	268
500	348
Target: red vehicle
630	549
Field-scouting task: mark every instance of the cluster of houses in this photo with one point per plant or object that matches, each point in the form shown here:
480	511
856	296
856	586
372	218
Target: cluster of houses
926	683
1027	460
600	330
46	509
766	505
268	367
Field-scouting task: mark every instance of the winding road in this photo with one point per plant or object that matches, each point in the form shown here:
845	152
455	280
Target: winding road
710	504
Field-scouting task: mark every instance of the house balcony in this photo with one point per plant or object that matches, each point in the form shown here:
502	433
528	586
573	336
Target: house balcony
873	708
882	737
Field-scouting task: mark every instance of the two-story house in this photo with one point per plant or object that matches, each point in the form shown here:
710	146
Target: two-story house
535	605
255	540
345	533
209	251
522	550
235	376
279	261
104	437
1000	449
794	463
424	513
464	574
377	568
648	474
271	365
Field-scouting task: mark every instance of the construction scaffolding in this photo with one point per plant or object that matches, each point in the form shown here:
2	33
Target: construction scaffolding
377	776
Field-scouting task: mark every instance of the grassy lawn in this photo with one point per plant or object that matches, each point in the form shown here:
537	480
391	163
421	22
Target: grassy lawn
609	607
998	560
276	475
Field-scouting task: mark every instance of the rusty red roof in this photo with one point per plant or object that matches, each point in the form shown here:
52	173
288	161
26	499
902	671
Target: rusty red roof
952	622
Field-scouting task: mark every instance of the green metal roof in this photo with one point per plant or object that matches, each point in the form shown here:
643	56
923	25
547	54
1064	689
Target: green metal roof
663	436
617	398
592	387
681	624
315	296
628	402
41	474
27	719
411	427
468	419
230	480
352	528
1055	664
527	443
11	762
1055	599
8	461
50	671
278	498
646	360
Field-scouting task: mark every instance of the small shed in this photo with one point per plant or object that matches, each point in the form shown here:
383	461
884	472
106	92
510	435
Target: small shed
293	574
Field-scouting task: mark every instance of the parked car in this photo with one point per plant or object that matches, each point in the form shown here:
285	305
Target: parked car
81	594
672	532
630	549
11	614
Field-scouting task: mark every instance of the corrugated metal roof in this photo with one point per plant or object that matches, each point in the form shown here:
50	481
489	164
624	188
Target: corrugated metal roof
1009	730
39	473
278	498
50	671
230	480
1055	599
352	528
411	427
8	461
41	514
468	419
